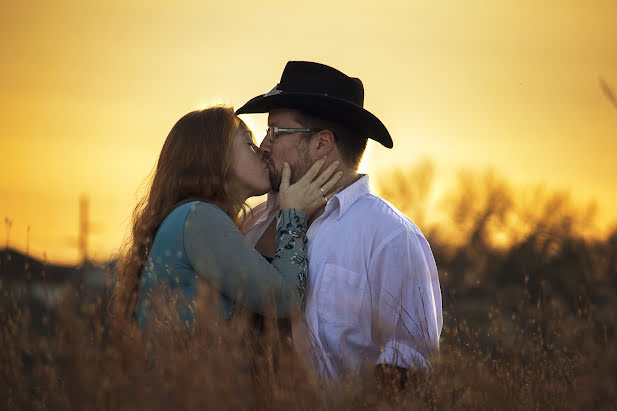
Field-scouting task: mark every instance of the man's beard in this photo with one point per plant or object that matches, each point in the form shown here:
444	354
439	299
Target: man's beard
298	169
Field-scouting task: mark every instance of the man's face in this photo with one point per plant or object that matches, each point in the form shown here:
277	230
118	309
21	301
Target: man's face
290	147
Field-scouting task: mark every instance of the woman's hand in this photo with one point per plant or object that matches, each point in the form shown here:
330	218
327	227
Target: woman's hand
312	191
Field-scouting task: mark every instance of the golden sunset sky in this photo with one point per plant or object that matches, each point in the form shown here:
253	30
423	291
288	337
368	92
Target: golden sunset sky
90	89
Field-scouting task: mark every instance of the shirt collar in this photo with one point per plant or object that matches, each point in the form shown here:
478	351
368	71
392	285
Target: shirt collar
272	202
348	196
339	204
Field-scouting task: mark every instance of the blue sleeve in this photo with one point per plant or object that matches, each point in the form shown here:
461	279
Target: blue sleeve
220	254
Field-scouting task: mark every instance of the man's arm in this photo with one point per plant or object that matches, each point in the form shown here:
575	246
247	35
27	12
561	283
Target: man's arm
406	302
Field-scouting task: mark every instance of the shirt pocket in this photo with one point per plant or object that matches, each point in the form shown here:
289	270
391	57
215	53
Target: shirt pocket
340	296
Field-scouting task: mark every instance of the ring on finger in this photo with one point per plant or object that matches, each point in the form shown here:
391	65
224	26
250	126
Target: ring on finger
323	193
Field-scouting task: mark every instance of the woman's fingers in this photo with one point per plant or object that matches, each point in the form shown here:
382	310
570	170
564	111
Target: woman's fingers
313	190
312	172
285	177
323	177
331	183
335	192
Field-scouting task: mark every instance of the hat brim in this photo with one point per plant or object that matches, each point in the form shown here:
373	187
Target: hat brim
327	107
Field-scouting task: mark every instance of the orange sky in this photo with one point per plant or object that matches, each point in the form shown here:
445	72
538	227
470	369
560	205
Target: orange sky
90	89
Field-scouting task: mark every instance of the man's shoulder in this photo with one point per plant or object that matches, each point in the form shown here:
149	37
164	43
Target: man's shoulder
381	214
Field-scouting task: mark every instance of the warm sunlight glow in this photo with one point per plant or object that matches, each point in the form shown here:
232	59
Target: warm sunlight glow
91	89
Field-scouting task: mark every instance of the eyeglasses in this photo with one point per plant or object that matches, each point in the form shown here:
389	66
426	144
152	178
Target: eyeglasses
273	132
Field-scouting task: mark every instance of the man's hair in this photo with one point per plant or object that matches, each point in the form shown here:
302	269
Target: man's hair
349	143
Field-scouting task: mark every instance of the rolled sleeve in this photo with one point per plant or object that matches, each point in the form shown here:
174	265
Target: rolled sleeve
401	355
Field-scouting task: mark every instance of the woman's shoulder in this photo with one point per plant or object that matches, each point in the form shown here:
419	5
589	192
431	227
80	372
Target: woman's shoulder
202	217
205	212
202	207
187	210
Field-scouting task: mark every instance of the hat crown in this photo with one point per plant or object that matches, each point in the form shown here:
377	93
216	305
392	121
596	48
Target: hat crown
310	77
323	92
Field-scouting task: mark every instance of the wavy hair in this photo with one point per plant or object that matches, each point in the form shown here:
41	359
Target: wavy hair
194	164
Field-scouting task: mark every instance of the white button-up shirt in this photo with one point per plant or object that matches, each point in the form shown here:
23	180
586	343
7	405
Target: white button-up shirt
373	292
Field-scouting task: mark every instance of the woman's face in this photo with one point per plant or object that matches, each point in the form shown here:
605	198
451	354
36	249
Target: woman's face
251	176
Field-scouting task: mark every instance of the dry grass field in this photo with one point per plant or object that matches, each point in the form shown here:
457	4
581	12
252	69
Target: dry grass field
529	297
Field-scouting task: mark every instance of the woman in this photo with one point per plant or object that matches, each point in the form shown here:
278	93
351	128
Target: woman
185	230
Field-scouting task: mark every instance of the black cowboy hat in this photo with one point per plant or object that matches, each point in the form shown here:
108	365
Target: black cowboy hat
324	92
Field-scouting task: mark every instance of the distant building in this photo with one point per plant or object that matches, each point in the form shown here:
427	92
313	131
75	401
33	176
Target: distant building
32	279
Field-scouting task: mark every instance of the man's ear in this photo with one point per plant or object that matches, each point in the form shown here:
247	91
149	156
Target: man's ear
323	143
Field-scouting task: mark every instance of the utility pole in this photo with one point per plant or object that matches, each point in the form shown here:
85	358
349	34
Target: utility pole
7	226
84	228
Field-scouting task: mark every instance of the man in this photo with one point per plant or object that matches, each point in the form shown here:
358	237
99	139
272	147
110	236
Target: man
373	293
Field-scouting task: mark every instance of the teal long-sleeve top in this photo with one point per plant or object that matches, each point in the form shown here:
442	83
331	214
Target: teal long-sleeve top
198	242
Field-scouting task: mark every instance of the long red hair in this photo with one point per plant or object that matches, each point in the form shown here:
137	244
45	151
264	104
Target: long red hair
194	164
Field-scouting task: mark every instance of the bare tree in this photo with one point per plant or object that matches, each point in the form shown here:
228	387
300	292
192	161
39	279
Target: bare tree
608	92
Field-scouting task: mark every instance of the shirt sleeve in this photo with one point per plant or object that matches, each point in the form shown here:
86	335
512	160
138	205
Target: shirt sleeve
220	254
407	320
